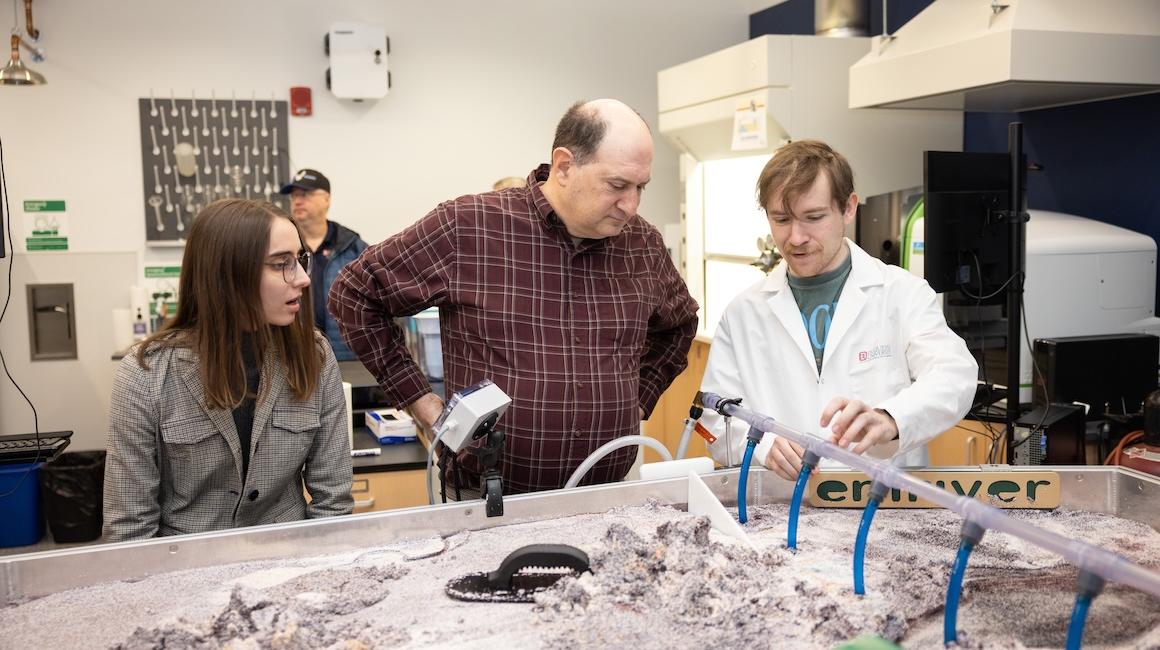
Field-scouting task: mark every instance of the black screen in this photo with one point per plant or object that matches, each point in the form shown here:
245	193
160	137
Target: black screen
966	241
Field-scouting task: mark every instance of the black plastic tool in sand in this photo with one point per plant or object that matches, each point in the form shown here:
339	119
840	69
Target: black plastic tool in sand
510	584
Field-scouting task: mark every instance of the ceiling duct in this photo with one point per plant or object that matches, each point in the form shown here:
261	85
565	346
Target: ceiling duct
840	18
1015	55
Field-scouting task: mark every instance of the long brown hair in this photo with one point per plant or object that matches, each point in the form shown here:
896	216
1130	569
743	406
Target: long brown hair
219	300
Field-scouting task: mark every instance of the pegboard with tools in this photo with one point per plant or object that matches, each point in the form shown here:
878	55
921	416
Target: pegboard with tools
196	151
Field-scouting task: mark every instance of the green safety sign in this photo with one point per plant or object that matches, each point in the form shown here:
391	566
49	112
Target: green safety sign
44	206
152	272
47	243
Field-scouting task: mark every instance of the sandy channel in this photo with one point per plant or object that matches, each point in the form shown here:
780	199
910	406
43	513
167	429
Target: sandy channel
661	579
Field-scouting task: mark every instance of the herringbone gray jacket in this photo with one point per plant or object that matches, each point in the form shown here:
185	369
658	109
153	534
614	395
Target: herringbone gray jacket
174	464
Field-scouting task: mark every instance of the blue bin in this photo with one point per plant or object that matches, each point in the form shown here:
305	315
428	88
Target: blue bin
22	524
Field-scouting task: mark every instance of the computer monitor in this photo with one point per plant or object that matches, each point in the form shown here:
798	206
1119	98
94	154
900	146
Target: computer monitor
966	240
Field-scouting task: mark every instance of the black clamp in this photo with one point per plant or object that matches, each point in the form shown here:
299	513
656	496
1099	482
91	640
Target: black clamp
489	455
722	403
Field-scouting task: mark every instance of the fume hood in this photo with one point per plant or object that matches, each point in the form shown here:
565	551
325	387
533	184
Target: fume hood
782	88
1015	55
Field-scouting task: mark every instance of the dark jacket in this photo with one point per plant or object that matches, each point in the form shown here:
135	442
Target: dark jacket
347	247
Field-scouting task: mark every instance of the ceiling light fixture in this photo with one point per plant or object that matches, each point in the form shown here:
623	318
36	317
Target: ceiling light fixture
15	73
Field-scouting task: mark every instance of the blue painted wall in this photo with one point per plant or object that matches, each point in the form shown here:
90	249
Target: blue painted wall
1101	159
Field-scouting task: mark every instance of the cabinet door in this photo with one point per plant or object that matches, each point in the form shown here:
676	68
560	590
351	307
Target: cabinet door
668	418
389	490
968	443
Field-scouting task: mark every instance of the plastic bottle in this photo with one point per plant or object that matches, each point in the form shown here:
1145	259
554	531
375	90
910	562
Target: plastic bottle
140	328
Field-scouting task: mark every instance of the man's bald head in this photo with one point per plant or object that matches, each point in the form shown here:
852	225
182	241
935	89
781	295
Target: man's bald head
586	124
601	162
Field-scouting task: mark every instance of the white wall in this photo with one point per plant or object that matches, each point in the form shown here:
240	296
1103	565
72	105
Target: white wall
478	88
69	394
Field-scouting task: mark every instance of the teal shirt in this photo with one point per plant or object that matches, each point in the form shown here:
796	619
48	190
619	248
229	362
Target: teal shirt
817	300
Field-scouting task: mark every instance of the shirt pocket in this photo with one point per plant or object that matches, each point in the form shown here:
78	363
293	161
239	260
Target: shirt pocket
877	380
294	430
621	323
183	438
198	460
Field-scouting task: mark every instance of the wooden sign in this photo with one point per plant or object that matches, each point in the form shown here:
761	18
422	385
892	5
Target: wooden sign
845	489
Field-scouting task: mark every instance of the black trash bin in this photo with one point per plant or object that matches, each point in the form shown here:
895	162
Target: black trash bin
72	488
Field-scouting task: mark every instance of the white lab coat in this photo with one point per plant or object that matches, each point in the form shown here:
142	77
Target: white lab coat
888	346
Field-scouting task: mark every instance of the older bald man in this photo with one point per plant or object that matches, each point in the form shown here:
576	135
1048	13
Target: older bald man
559	292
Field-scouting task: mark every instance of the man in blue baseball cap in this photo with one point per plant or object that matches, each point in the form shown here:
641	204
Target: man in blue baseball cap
334	246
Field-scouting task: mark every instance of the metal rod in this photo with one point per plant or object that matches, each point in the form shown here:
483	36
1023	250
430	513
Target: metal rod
1015	287
1085	556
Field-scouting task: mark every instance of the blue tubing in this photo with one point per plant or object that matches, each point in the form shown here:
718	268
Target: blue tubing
796	504
1078	618
743	483
950	617
860	545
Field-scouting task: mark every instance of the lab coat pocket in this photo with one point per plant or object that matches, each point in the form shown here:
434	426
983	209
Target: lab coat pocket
867	380
877	380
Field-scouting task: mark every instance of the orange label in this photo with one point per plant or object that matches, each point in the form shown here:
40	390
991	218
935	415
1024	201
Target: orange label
704	433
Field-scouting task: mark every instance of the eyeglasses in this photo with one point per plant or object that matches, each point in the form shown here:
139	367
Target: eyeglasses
289	265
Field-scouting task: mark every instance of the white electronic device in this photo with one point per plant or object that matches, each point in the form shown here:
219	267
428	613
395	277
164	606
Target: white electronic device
358	61
467	411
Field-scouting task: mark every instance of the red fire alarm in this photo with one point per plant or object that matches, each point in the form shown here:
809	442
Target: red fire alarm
300	103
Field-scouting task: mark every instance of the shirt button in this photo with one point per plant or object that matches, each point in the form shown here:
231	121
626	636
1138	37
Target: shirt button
575	339
254	495
579	384
576	432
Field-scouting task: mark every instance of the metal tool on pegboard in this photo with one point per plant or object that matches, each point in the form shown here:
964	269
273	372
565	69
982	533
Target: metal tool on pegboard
195	151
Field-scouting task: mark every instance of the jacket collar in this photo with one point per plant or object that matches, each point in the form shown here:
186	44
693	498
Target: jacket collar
343	237
273	384
863	271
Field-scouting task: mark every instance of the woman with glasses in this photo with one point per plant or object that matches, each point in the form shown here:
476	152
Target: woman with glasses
226	414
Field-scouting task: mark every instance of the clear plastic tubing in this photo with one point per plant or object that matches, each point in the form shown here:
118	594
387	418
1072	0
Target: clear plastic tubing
611	446
1085	557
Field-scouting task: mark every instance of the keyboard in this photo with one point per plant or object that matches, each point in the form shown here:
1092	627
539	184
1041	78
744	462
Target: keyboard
28	448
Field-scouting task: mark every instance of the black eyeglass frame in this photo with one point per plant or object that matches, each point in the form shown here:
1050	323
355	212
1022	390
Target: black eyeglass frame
302	259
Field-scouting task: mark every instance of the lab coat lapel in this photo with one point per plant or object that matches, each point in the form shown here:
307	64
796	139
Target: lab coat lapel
222	419
853	299
780	299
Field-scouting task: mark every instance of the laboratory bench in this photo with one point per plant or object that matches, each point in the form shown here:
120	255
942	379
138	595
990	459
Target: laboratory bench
396	478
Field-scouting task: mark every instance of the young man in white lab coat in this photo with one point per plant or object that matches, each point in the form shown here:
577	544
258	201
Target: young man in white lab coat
834	342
